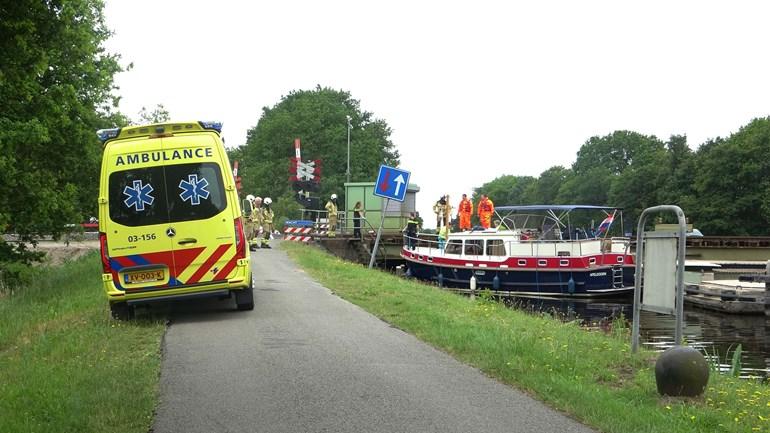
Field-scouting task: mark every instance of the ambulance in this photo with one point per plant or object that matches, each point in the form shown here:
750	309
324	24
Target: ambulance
170	223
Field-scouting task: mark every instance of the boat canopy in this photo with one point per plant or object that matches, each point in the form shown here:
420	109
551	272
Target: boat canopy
558	207
550	217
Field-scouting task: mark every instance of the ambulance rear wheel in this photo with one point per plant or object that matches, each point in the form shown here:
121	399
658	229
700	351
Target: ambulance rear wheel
121	311
244	299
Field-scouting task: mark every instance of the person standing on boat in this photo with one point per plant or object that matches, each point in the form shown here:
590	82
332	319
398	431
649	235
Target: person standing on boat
411	231
419	220
447	211
440	210
486	210
464	212
443	232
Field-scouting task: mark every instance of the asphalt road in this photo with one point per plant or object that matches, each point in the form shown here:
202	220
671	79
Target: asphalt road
305	360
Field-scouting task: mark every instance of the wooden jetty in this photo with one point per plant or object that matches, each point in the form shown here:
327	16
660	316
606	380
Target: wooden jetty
738	288
727	296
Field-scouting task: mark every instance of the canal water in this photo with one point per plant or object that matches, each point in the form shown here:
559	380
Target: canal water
716	335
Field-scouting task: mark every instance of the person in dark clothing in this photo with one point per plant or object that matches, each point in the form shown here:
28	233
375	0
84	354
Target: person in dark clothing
411	232
358	212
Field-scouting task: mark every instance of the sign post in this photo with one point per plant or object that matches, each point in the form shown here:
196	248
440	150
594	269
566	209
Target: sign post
662	255
391	184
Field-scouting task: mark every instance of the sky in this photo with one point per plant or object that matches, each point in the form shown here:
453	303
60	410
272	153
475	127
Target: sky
472	90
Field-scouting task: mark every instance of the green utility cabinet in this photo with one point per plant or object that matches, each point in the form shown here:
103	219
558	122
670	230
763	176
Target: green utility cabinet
396	214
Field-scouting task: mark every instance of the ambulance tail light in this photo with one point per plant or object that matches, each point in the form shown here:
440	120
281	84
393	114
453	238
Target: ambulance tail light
103	250
240	239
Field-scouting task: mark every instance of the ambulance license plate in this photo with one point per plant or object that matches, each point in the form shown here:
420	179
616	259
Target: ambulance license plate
144	276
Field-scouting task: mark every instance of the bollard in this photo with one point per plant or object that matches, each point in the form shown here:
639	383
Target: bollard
681	371
767	289
400	271
473	287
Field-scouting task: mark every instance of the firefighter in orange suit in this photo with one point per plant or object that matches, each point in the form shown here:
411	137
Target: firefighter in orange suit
486	210
464	212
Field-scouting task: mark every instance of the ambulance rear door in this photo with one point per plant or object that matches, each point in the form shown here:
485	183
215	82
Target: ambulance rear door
200	216
140	251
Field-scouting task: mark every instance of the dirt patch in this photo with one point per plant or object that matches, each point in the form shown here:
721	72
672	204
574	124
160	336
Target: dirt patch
58	252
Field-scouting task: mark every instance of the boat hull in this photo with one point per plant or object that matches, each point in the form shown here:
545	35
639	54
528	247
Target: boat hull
595	281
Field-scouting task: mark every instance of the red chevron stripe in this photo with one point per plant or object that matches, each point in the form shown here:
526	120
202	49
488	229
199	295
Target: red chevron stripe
220	251
225	272
183	258
160	257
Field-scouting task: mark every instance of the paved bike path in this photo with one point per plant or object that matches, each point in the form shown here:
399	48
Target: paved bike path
305	360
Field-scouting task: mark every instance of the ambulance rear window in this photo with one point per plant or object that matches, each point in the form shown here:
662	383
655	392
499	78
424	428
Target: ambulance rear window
166	194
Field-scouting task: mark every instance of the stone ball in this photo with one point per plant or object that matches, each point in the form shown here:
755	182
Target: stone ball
681	371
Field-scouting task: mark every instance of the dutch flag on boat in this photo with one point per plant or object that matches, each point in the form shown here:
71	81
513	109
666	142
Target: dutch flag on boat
605	225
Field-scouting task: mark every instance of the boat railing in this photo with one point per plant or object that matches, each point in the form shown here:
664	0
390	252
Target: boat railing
424	240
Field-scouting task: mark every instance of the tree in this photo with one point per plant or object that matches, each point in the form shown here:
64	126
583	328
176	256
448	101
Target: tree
158	115
505	190
615	151
589	186
724	187
678	188
546	187
56	84
623	169
318	118
732	182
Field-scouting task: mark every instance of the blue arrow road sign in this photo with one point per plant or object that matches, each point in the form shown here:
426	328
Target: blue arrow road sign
392	183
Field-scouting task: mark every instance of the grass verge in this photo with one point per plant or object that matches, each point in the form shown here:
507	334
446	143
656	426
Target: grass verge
66	366
590	375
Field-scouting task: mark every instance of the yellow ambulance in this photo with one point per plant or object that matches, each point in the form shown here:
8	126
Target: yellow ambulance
170	223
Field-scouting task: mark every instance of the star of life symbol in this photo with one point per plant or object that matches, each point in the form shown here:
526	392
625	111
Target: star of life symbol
138	195
306	170
194	189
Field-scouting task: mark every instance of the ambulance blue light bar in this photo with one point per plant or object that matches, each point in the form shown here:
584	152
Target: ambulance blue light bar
106	134
216	126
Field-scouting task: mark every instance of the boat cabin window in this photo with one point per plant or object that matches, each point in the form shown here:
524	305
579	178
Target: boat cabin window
474	247
454	246
495	247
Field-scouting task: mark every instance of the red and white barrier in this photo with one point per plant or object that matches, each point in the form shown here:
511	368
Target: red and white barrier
297	238
297	230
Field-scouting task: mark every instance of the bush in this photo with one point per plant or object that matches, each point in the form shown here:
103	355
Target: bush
16	265
14	275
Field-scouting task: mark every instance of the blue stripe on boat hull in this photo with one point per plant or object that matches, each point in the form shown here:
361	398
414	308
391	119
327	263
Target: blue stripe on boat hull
597	281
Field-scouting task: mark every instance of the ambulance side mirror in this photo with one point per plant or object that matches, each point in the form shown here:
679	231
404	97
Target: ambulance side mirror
246	208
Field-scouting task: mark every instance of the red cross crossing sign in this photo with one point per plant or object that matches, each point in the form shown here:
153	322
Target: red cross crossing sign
392	183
